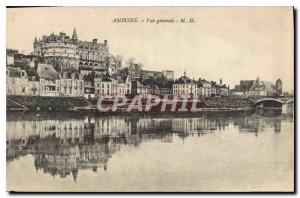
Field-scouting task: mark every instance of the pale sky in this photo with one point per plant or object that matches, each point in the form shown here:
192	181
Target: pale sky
231	43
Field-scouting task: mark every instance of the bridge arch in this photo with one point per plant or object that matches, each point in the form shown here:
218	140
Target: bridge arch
269	99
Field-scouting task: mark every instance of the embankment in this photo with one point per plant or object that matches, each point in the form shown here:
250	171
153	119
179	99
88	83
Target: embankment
34	103
228	102
44	103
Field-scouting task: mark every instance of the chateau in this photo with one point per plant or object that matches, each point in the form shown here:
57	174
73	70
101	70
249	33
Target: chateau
65	51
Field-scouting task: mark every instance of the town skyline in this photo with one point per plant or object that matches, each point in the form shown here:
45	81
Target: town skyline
151	53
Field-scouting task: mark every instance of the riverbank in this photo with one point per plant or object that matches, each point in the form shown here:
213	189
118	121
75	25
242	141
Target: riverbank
37	103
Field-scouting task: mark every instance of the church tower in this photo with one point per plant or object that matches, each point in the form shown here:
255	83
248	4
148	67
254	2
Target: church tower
74	36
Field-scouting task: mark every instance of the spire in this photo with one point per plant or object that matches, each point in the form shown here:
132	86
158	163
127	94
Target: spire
74	35
258	79
184	73
35	40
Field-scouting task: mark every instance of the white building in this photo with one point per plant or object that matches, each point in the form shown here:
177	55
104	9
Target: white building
71	83
204	88
185	86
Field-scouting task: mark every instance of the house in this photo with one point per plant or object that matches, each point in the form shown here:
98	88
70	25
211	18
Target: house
237	91
184	86
139	88
166	89
21	82
223	90
103	86
71	82
122	86
204	88
49	80
264	88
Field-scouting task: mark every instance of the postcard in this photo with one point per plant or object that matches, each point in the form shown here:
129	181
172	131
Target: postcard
150	99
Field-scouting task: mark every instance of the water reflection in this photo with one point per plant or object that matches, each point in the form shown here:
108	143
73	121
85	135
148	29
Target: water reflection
64	145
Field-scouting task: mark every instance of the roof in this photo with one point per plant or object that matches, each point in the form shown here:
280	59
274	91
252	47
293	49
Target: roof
184	80
266	84
46	71
203	81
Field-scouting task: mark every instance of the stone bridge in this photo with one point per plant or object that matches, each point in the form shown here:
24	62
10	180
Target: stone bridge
272	102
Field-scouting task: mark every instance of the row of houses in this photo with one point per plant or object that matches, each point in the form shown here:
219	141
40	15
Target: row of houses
204	88
43	80
46	81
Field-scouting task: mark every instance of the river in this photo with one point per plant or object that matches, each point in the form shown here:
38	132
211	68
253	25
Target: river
214	151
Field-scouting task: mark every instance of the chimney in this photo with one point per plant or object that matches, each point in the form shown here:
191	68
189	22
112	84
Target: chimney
95	41
105	42
221	81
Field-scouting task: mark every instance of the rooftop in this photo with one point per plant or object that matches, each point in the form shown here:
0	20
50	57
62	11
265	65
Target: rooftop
47	72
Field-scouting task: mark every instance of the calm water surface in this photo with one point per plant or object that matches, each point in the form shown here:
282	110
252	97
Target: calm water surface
210	152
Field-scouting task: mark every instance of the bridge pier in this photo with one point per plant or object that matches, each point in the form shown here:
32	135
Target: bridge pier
260	105
284	108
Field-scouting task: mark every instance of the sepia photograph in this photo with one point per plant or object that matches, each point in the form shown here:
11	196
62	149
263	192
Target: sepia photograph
150	99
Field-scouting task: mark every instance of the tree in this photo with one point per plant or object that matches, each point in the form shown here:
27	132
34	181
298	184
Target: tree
278	86
130	62
119	60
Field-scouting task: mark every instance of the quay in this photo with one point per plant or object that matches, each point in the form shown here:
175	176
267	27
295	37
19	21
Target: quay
230	103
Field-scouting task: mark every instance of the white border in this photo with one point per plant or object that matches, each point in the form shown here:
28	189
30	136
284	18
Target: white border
3	5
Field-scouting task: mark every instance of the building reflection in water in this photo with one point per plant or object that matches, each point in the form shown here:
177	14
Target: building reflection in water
64	147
